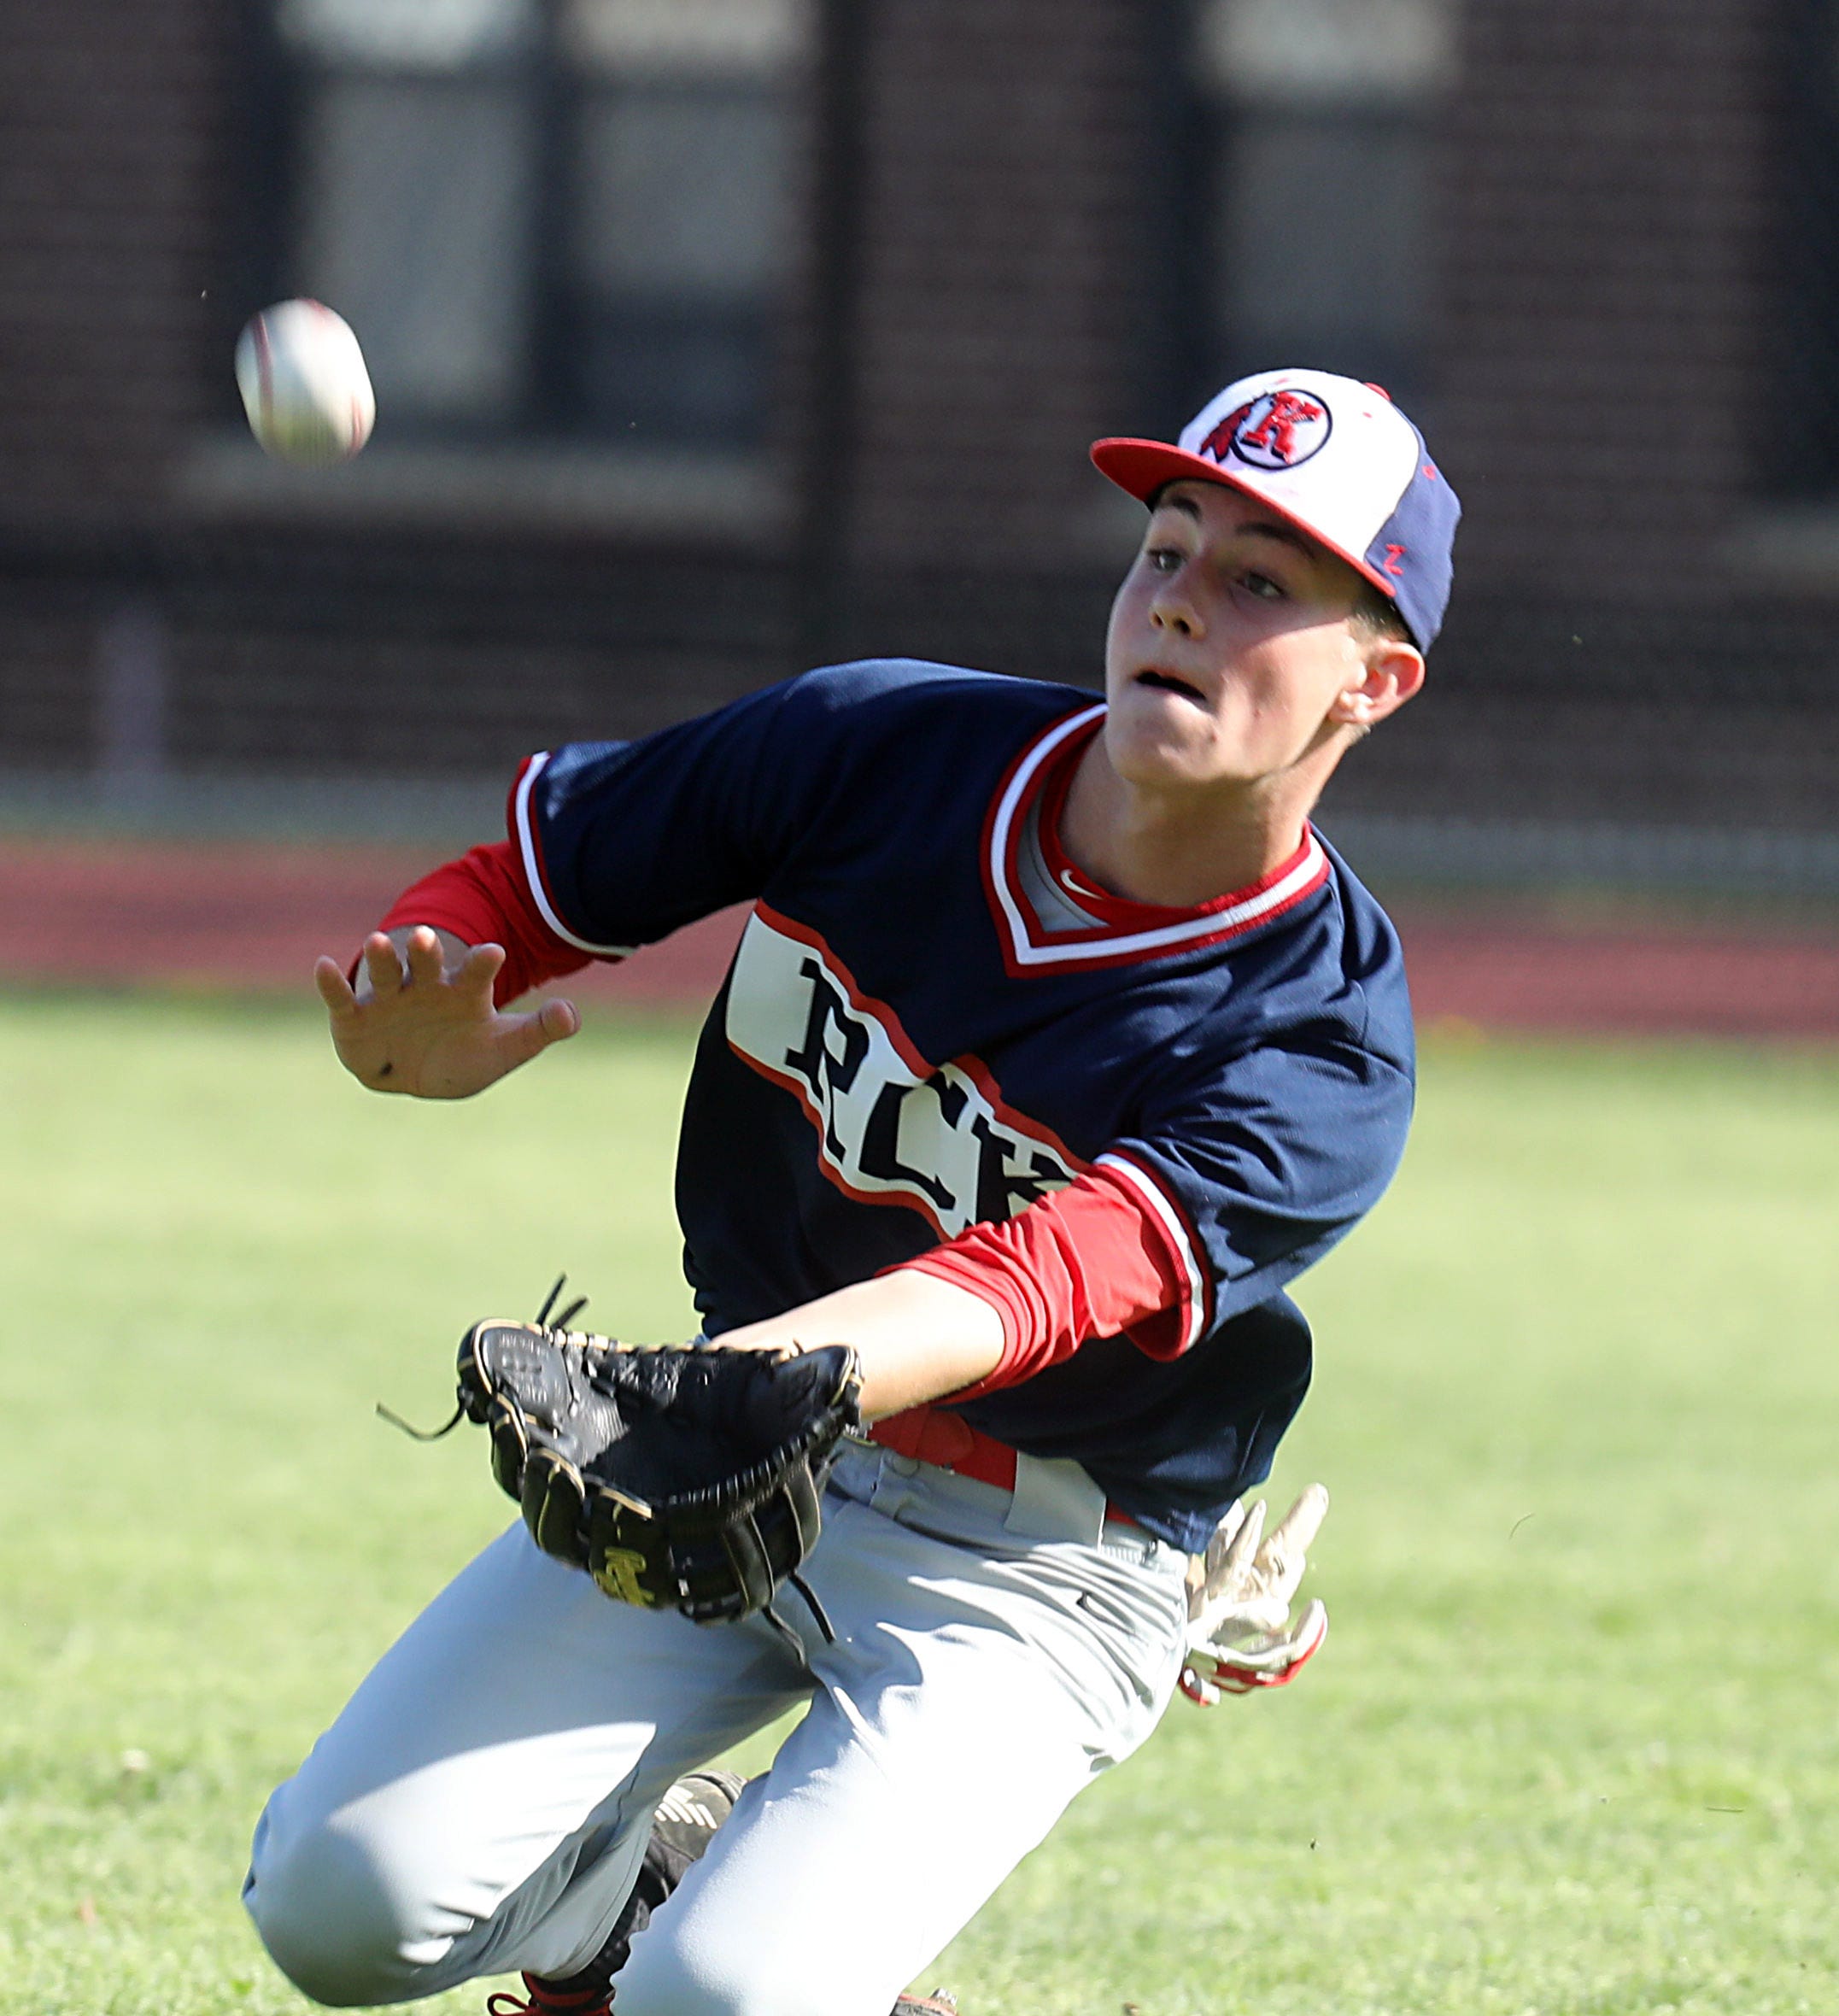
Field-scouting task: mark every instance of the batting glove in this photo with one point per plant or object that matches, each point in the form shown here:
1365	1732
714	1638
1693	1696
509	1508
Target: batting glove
1240	1636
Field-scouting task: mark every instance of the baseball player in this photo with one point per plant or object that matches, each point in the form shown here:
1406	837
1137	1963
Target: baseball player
1057	1043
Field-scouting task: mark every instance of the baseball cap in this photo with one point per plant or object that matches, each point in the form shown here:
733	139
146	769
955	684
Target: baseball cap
1331	456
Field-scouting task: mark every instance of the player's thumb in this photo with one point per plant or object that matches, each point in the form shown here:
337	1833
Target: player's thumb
517	1038
556	1021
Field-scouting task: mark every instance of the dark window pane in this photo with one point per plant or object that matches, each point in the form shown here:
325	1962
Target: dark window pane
1322	241
682	193
417	208
1797	454
679	238
1311	177
691	376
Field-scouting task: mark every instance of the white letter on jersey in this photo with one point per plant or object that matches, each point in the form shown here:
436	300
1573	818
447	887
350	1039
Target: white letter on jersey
890	1125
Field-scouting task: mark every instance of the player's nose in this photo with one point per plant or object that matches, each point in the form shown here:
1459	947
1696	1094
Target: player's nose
1175	613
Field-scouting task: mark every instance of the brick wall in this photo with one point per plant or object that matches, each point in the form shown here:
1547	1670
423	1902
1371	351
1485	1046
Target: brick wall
111	121
1005	203
1608	207
1606	200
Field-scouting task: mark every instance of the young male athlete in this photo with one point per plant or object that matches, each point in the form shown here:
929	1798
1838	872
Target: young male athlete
1057	1043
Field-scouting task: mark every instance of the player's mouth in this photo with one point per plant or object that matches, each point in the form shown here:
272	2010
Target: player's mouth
1166	682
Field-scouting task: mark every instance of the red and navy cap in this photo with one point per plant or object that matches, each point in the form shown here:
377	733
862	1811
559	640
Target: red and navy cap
1331	456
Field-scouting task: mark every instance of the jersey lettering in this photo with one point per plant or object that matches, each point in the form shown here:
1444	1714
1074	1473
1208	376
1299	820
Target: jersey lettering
890	1125
814	1061
1003	1189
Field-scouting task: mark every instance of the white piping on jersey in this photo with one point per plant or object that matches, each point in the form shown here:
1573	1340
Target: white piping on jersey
533	872
1140	1180
1213	923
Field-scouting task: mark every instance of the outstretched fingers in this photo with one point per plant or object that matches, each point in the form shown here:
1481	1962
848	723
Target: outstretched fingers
382	965
422	950
477	971
1295	1532
1241	1557
334	989
1284	1555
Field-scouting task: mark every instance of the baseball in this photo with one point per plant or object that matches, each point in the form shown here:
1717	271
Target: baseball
304	385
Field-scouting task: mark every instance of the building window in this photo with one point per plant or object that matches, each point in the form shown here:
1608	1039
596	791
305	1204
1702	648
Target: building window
1797	456
559	217
1312	180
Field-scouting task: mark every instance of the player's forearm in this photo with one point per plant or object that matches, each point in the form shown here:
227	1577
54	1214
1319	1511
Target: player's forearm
919	1337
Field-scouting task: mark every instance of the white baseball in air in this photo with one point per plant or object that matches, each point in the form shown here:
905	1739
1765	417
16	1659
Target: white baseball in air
304	385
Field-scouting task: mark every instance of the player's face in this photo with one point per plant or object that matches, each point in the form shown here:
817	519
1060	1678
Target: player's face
1230	657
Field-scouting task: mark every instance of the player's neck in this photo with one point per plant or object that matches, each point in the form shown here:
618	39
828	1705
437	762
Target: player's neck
1178	847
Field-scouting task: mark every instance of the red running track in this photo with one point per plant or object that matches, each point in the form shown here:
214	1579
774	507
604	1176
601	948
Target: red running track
252	918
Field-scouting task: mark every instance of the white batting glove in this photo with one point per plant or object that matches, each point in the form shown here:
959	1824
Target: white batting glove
1240	1636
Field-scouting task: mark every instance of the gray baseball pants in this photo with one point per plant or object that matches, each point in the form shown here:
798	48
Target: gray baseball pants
483	1802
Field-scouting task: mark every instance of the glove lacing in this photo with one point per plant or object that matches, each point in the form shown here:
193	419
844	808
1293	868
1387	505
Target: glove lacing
447	1426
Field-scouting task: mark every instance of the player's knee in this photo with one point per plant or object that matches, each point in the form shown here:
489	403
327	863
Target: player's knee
329	1922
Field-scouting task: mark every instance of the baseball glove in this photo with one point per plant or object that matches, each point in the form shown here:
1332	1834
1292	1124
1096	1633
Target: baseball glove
675	1474
1240	1636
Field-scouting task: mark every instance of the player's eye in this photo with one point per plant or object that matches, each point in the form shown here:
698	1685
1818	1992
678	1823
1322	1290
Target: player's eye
1263	588
1163	559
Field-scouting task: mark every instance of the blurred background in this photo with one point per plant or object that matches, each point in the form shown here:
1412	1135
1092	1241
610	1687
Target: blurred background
715	338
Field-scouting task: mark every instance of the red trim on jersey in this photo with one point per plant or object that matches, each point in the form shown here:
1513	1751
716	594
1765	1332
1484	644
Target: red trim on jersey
1130	931
1092	1260
484	898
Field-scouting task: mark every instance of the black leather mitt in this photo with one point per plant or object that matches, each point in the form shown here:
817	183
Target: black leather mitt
677	1474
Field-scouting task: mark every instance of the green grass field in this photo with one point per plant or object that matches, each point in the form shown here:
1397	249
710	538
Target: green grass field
1573	1745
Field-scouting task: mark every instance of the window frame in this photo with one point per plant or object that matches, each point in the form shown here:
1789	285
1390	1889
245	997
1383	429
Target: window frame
1203	125
553	416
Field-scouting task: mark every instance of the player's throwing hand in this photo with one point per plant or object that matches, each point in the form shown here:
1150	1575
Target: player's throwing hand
421	1019
1240	1634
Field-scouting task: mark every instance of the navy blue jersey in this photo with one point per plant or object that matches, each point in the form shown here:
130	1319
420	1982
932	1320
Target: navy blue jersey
902	1048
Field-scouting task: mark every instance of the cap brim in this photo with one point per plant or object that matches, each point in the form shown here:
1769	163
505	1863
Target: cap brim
1143	467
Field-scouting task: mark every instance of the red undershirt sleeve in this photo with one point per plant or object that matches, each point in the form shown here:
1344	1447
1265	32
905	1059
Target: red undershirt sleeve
483	898
1092	1260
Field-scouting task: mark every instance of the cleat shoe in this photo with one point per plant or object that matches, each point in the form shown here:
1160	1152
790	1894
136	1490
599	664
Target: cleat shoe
549	1998
683	1826
694	1807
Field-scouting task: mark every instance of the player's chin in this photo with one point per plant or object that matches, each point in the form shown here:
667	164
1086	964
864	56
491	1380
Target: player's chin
1155	748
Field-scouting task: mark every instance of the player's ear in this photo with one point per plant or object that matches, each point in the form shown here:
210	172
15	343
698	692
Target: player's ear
1393	672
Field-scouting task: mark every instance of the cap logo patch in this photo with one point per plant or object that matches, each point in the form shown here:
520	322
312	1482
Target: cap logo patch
1276	430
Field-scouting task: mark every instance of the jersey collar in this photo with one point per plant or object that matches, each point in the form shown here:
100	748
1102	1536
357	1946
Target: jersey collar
1125	931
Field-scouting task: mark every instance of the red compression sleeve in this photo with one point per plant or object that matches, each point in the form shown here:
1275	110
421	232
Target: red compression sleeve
483	898
1092	1260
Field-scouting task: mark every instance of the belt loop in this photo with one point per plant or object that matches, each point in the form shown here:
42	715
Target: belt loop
1055	1500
